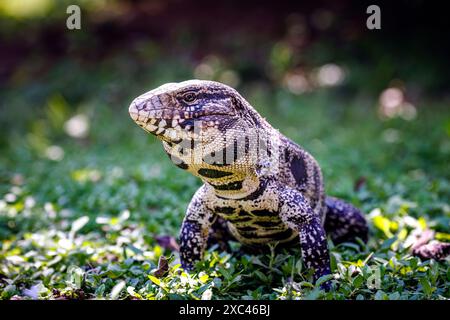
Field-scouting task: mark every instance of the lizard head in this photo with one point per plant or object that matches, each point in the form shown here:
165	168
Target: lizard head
207	128
183	110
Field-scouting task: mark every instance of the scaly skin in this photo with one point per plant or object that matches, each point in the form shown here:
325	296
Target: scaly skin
259	188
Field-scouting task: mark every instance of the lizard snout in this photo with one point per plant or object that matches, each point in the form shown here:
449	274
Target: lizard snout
151	120
140	115
133	110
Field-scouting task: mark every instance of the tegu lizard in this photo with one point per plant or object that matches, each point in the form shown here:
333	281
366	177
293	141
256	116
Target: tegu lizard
259	187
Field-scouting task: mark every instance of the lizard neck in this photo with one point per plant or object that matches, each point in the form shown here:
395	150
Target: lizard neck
241	186
230	161
230	171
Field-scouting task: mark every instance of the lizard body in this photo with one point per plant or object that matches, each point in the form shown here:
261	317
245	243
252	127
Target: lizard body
259	187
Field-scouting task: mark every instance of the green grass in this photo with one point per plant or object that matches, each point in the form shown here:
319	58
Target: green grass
85	226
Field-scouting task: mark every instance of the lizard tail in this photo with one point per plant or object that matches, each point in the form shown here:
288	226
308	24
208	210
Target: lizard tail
344	222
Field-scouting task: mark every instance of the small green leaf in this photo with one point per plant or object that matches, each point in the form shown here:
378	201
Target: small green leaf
383	224
426	286
358	281
155	280
388	243
324	279
261	275
203	278
380	295
394	296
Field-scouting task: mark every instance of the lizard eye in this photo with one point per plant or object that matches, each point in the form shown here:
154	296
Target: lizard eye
189	97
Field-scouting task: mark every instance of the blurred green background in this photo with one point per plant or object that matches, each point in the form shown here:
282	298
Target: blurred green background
82	184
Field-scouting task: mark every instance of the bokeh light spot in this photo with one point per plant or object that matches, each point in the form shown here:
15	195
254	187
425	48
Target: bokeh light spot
77	126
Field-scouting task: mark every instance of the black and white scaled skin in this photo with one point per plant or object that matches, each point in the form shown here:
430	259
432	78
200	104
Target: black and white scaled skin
259	188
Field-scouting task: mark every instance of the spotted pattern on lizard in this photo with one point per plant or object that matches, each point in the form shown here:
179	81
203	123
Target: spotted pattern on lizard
259	187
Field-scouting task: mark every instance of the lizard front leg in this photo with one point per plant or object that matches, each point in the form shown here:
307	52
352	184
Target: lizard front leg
296	212
194	230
